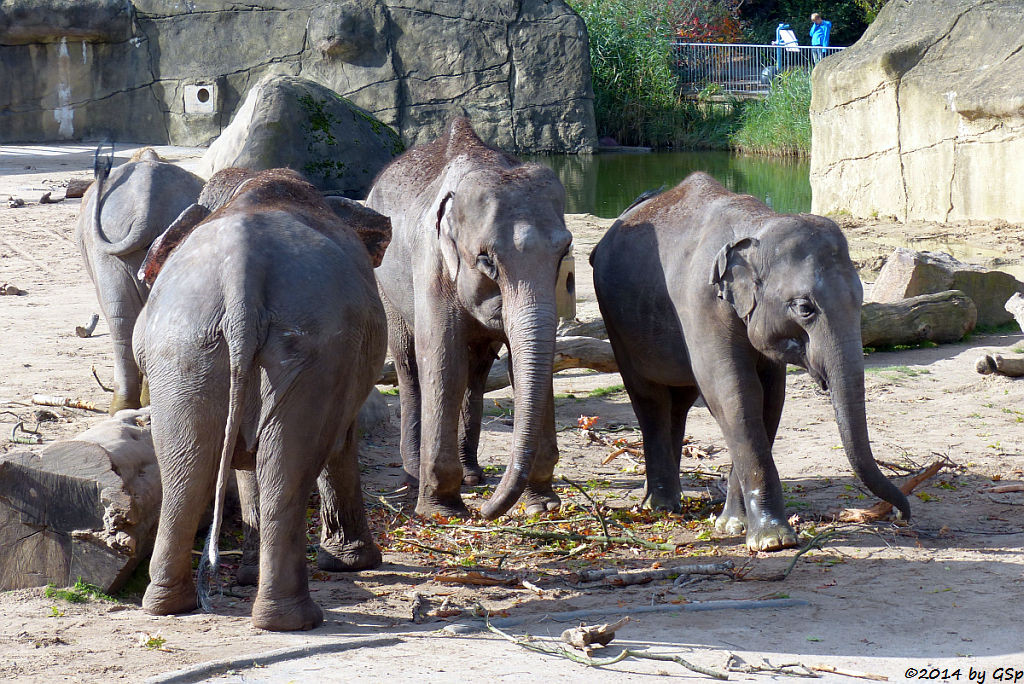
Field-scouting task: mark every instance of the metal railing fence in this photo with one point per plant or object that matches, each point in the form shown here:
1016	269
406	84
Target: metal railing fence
740	68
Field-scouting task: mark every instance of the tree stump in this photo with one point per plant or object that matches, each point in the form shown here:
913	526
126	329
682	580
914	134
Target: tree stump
1010	366
940	317
86	507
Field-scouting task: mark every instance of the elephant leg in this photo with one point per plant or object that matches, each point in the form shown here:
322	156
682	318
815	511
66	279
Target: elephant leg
652	404
346	543
403	350
682	402
187	435
443	375
481	357
249	499
540	496
286	469
737	399
733	519
127	377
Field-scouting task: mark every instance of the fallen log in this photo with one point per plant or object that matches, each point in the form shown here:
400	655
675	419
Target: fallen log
85	507
570	352
1010	366
939	317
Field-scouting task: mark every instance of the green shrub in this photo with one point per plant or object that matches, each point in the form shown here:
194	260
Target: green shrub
780	124
636	98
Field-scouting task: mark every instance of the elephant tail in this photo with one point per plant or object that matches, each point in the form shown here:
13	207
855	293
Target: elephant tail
240	335
101	166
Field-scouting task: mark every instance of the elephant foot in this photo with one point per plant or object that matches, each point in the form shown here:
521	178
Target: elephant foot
448	507
173	600
121	402
731	525
286	615
771	535
357	555
660	501
540	498
472	476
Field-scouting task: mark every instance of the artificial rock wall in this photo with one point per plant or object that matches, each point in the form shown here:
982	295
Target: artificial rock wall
923	118
175	71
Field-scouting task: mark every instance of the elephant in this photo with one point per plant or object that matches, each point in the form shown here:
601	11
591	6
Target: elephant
478	239
261	339
121	215
707	292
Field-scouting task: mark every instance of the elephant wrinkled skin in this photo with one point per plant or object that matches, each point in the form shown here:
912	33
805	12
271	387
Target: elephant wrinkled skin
121	215
478	239
707	292
261	339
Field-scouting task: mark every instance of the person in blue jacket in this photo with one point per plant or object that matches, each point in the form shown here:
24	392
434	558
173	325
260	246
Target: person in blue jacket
821	31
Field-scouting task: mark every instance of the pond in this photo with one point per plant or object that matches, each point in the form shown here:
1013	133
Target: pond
605	184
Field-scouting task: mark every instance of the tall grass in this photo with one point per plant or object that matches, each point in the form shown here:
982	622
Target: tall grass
780	124
636	99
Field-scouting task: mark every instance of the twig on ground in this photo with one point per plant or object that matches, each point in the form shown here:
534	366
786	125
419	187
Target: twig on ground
594	507
426	548
585	636
882	509
100	382
620	577
1005	489
50	400
473	578
27	436
88	330
816	542
567	536
858	675
737	664
526	643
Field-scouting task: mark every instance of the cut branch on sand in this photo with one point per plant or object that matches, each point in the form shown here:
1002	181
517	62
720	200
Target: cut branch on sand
882	509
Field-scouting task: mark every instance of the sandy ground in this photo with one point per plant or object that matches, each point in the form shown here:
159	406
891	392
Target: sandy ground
943	592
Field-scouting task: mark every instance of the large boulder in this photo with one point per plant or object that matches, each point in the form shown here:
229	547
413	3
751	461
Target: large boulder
290	122
923	118
520	69
908	274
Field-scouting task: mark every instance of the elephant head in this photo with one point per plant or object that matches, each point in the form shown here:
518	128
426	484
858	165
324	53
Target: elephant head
502	236
793	284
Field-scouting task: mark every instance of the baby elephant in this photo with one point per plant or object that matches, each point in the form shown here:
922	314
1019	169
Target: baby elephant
261	339
121	216
708	292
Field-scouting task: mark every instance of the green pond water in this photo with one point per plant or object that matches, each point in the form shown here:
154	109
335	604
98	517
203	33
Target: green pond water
605	184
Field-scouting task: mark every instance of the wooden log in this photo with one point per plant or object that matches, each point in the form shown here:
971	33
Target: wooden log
85	507
1010	366
570	352
77	187
939	317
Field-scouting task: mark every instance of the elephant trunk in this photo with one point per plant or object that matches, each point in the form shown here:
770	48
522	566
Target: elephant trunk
530	323
845	374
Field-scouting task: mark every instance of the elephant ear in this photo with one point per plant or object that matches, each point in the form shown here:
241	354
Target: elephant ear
735	278
440	214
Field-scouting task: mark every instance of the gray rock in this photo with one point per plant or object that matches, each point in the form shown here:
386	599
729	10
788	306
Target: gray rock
375	415
908	274
291	122
923	118
518	68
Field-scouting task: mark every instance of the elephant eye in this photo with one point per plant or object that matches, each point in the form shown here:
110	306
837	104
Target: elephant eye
803	308
486	265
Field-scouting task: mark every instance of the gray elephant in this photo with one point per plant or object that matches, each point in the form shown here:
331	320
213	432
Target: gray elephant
478	238
121	215
707	292
263	335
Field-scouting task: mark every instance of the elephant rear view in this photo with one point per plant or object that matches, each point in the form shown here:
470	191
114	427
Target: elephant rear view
121	215
707	292
261	339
